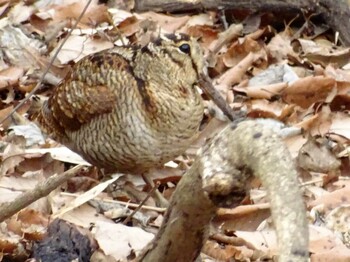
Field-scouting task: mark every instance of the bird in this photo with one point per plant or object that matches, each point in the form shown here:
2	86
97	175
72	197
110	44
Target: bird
129	108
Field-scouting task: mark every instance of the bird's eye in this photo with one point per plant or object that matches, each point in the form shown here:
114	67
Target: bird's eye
185	48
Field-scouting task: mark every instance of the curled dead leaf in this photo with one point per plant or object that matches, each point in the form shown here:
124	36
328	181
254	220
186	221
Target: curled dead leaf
306	91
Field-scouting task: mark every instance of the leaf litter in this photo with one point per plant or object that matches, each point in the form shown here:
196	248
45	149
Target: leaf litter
299	78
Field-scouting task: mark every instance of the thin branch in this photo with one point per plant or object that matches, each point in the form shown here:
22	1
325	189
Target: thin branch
126	221
41	190
214	95
127	204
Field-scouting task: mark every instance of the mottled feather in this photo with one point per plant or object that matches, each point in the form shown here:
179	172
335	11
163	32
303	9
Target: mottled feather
129	108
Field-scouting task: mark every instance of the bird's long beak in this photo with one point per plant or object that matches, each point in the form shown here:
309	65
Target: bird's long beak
208	88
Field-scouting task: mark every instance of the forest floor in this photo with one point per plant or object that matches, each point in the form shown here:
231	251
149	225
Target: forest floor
293	72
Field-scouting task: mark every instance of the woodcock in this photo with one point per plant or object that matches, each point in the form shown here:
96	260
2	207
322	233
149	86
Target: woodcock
129	108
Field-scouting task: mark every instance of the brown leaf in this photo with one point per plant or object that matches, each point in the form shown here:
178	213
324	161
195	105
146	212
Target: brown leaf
120	241
77	47
306	91
95	14
263	91
340	125
168	23
10	76
322	52
279	47
239	50
316	155
333	199
266	109
245	217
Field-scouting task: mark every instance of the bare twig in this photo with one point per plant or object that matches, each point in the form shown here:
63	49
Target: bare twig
40	190
127	204
142	203
214	95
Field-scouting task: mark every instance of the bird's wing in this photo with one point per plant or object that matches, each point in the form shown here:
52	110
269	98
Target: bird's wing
90	90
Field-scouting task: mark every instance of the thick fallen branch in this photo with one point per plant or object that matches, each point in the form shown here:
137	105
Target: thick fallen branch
335	13
219	177
40	190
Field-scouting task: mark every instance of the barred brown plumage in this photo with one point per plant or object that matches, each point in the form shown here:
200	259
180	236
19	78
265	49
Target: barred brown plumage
129	108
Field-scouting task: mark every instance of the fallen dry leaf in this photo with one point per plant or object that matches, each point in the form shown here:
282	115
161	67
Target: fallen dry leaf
317	156
340	125
333	199
10	76
120	241
262	91
279	47
82	199
322	52
306	91
76	47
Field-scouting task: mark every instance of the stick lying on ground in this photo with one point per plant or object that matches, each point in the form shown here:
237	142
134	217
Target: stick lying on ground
334	13
41	190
